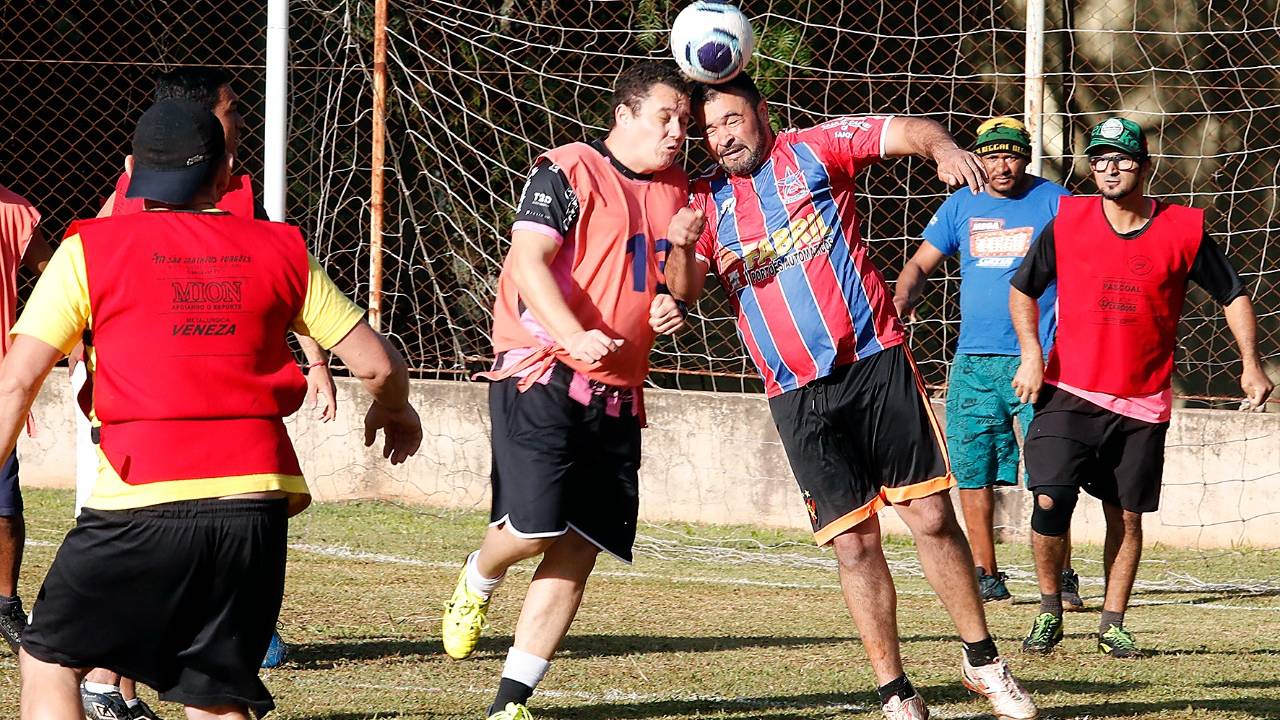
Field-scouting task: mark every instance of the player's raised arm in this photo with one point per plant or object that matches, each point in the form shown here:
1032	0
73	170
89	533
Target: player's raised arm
686	272
928	139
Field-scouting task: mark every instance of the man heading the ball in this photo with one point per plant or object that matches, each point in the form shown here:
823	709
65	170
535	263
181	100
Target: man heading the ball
580	300
779	228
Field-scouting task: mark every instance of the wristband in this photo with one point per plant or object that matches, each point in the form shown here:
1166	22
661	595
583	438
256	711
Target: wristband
318	363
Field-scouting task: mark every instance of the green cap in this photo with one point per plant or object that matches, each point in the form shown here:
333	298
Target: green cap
1003	134
1118	134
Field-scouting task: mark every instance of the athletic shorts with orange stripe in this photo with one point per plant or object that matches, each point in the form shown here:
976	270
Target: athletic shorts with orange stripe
862	438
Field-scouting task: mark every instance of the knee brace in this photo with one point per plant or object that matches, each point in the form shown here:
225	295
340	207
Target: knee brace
1055	520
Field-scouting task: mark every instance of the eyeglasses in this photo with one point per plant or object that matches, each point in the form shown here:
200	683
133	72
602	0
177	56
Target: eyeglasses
1124	163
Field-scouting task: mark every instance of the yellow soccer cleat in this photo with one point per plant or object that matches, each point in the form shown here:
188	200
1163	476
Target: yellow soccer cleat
513	711
463	620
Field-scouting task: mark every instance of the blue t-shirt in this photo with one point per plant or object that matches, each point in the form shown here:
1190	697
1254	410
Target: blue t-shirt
992	235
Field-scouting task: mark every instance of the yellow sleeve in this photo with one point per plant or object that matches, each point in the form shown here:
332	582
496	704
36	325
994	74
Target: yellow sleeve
327	315
58	310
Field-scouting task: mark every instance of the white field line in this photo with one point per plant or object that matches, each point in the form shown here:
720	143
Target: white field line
383	558
386	559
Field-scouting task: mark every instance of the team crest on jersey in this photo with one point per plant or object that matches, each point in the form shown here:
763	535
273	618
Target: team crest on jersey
792	188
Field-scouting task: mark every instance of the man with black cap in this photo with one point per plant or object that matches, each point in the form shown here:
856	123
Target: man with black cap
174	572
991	232
1121	262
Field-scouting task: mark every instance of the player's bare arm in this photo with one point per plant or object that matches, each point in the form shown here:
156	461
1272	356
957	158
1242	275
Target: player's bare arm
320	383
910	285
1244	327
25	367
685	273
927	139
530	262
1025	311
384	374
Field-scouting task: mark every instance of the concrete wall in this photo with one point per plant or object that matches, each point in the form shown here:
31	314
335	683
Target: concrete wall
716	458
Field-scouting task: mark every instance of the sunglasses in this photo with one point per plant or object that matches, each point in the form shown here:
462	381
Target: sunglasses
1124	163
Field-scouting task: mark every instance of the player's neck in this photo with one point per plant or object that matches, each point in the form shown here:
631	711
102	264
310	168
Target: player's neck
626	155
1128	213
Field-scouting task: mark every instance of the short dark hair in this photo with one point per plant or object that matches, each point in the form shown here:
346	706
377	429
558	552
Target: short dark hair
741	85
634	83
198	84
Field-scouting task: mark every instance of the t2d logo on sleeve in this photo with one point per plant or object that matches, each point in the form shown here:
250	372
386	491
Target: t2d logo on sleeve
993	245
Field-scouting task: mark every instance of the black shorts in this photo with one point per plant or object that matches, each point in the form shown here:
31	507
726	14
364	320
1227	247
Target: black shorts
1117	459
559	464
10	492
182	597
861	438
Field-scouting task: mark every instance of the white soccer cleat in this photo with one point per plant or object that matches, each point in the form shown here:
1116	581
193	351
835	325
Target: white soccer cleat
1009	700
912	709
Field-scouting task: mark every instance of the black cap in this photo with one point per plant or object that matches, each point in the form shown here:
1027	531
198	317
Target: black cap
175	148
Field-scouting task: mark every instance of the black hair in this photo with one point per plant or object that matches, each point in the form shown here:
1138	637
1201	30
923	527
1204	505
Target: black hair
634	83
741	85
199	84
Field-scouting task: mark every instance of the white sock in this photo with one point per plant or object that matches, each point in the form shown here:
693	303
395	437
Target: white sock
478	583
101	688
135	702
525	667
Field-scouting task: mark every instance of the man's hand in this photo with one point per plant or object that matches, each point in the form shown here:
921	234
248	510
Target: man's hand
591	345
905	311
1256	385
1029	379
664	314
958	167
402	431
320	385
686	227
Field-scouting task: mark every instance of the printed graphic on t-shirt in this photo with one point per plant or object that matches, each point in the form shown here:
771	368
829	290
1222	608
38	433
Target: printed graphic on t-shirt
993	245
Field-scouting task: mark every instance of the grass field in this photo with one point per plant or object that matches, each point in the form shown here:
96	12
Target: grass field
720	623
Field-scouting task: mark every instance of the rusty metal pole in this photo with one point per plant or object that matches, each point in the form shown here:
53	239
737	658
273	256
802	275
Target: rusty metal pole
378	159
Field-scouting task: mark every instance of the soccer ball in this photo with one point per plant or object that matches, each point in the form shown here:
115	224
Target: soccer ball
711	41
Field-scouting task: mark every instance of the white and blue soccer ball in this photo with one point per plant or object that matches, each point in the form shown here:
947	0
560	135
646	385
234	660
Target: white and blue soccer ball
712	41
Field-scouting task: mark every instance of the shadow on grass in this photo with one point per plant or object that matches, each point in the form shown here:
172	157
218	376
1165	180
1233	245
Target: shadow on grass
800	707
326	655
1262	708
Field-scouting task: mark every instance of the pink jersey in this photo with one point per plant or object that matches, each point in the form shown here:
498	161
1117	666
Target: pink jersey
18	220
786	246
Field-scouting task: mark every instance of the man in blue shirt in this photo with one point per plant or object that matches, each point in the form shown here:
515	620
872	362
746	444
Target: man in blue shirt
991	232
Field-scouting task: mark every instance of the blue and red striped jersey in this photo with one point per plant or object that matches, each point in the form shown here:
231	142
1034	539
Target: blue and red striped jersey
785	244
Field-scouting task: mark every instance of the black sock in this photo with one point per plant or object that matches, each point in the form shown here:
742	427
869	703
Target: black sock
7	602
982	652
1051	604
1108	619
510	691
900	687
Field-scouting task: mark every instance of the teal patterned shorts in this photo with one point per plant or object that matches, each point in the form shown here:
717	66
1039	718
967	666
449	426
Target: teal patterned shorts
981	406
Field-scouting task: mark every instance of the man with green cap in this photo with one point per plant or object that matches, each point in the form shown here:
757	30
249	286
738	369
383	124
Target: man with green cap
1121	262
991	232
